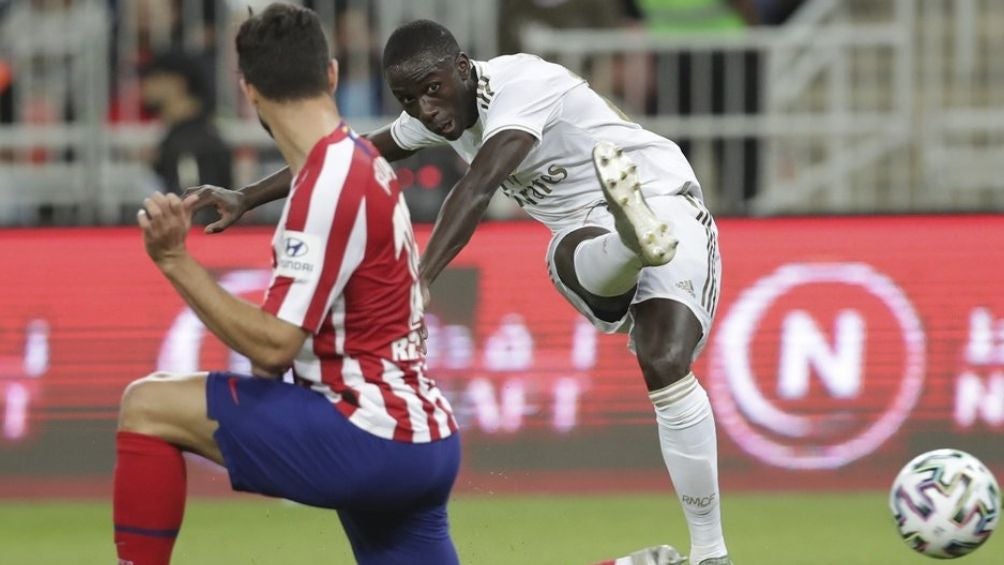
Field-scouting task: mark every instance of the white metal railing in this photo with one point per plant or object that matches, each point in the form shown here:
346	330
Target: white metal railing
89	163
53	153
962	100
867	106
854	106
811	129
862	91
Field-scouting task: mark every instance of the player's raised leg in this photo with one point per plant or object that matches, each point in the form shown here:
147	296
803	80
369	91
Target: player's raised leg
160	416
601	267
608	265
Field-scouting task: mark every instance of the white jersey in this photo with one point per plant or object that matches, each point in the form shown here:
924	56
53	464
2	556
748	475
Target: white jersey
556	183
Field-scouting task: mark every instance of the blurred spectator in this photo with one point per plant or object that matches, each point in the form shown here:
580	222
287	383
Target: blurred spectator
358	52
174	88
714	16
141	28
515	15
776	12
682	16
6	93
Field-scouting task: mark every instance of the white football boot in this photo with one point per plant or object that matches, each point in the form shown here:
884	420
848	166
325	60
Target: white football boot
640	230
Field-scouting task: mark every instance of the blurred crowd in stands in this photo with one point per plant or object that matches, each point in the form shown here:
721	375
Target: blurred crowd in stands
169	74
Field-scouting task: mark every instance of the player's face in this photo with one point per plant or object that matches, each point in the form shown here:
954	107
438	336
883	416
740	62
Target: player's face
438	94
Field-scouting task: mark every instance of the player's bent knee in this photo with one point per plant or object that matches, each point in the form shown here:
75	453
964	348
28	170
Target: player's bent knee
666	366
564	252
572	239
138	408
142	407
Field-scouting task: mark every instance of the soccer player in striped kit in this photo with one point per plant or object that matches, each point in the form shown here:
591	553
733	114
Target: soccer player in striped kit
361	429
633	247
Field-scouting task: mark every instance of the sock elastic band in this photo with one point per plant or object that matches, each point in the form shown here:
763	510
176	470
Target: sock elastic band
670	394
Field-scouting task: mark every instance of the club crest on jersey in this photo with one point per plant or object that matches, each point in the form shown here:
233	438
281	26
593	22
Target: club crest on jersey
537	188
299	256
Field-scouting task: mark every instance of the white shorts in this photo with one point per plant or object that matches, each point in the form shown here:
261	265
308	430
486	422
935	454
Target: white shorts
692	278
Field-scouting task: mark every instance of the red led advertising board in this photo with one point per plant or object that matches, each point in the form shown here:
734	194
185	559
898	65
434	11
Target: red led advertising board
841	348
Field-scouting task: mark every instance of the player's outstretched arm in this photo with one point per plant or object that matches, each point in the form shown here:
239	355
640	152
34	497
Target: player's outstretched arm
232	204
385	144
466	204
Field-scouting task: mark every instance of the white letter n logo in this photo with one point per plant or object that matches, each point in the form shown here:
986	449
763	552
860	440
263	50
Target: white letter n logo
802	345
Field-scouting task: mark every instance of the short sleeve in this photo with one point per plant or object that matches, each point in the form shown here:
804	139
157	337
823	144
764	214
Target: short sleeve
410	134
522	103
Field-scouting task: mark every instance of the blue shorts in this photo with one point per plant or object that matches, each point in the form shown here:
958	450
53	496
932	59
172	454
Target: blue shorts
287	441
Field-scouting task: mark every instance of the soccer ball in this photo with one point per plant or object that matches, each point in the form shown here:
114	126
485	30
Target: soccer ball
946	503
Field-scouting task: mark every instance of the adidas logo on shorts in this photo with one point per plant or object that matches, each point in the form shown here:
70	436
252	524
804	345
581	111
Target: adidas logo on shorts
687	287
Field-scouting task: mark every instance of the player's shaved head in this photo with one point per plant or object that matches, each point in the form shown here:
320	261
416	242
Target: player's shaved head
283	53
422	43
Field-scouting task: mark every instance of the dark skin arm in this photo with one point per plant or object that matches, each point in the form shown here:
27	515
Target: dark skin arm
232	204
385	144
466	204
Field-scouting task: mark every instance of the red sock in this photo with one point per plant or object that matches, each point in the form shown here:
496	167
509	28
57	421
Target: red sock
149	498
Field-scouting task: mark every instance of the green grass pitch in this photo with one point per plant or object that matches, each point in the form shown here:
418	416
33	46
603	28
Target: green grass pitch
762	529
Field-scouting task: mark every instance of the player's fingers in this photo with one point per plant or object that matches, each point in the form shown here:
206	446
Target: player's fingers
158	207
190	202
219	225
197	200
152	207
177	209
199	197
423	333
194	191
160	198
143	219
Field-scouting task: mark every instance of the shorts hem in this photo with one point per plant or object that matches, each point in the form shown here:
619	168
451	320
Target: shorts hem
219	436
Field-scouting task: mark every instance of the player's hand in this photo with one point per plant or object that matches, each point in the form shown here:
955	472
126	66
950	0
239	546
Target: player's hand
165	221
423	330
426	295
229	204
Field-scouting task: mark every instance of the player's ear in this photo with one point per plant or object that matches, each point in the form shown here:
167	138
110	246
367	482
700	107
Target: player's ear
250	92
332	75
464	66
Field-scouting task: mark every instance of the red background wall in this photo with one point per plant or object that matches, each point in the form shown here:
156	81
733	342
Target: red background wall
842	347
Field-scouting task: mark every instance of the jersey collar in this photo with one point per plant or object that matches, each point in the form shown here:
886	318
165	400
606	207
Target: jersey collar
316	156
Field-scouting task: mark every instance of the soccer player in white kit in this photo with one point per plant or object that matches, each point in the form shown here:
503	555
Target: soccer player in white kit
633	247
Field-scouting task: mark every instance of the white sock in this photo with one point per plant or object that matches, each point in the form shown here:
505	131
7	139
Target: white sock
605	266
690	450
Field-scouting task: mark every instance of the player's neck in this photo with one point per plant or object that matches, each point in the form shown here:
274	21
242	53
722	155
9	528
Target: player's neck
298	126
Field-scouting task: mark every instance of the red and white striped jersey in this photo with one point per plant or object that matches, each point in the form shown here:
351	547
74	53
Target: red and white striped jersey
345	269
